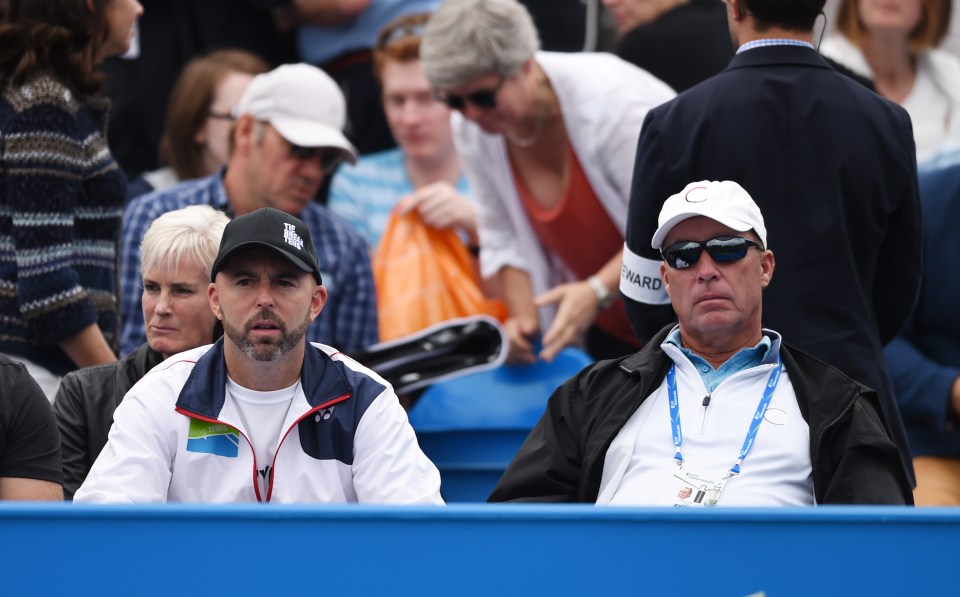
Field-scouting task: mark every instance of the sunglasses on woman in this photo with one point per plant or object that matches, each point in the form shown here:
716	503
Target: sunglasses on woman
482	98
722	249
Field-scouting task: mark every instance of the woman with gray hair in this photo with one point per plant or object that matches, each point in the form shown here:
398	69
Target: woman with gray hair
176	256
548	141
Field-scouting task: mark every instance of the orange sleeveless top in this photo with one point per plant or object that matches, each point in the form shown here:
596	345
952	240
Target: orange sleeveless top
579	232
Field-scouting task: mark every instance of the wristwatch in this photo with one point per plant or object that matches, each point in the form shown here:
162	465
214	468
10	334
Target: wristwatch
604	296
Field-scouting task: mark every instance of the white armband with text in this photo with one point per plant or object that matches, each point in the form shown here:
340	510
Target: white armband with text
640	279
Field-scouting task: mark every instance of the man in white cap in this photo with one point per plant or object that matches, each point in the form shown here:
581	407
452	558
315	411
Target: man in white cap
717	403
262	415
832	165
287	137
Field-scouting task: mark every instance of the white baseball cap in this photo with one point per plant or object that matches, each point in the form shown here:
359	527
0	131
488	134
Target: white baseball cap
723	201
303	103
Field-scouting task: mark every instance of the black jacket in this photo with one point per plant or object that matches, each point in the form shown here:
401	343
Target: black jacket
84	407
683	46
854	460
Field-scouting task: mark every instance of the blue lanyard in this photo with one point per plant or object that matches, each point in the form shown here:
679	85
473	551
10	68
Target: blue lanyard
754	424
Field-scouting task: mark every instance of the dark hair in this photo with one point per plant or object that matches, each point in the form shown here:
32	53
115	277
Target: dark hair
929	32
400	41
793	15
189	106
58	36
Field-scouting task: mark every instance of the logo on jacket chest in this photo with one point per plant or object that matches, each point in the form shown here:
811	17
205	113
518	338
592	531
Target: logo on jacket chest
218	439
328	434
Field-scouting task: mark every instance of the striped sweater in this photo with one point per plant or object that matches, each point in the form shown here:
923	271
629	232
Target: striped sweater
61	202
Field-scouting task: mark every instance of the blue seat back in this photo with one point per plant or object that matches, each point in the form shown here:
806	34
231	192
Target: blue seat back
472	426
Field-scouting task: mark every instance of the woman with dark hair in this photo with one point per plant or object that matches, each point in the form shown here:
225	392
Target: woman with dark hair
195	138
61	192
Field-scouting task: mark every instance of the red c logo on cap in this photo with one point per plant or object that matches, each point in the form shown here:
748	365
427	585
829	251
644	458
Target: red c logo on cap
689	200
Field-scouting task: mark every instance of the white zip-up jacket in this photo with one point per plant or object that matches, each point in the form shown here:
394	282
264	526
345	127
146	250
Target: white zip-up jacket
777	470
177	436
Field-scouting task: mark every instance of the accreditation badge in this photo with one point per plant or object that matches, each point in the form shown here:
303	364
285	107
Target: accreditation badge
687	489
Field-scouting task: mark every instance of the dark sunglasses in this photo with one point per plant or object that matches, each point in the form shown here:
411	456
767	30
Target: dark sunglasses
329	160
722	249
483	98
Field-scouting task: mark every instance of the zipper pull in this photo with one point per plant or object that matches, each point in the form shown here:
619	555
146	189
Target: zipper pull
706	400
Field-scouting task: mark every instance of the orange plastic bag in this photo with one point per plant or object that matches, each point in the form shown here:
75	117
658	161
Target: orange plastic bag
424	276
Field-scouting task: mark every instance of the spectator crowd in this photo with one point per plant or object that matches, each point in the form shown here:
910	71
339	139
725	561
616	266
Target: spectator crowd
191	207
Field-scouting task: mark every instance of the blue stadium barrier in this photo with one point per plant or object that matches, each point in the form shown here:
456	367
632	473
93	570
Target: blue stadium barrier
464	550
472	426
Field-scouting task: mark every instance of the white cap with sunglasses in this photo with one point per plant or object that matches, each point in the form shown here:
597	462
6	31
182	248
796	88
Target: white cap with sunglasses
723	201
303	104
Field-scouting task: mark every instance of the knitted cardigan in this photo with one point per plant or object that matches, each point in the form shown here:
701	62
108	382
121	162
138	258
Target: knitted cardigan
61	203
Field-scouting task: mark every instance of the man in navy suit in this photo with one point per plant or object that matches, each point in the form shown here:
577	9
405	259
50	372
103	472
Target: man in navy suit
833	169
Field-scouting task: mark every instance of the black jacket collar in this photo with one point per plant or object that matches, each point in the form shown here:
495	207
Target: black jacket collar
806	376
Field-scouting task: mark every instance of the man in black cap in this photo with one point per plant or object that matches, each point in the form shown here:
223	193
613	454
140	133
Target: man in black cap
262	399
286	140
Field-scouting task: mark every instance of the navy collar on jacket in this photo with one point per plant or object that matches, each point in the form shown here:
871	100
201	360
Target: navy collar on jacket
205	390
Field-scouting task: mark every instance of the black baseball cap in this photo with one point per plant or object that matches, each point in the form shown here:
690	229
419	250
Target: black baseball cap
269	228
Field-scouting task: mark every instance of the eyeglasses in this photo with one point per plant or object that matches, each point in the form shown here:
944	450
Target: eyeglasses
483	98
329	160
722	249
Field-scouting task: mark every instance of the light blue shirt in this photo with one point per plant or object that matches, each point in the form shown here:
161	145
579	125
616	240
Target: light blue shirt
763	43
365	194
744	359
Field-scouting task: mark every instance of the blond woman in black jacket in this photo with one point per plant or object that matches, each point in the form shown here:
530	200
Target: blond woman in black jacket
177	256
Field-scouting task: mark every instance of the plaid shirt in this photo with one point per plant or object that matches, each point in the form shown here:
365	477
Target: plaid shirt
349	318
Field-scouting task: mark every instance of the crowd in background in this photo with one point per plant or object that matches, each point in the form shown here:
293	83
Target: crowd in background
118	116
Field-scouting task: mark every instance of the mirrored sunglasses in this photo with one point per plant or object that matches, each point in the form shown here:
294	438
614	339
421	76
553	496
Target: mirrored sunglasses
722	249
